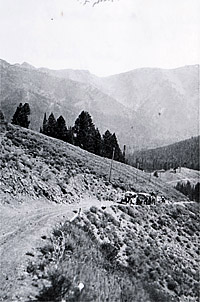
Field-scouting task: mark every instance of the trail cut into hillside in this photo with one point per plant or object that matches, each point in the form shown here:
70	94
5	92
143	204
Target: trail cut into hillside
38	166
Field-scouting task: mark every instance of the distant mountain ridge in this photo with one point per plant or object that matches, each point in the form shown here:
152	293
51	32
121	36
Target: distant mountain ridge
46	93
146	107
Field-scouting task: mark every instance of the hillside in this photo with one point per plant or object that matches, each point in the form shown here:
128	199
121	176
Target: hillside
145	107
40	166
181	154
119	252
181	175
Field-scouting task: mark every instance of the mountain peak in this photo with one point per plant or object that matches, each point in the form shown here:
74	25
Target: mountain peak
27	66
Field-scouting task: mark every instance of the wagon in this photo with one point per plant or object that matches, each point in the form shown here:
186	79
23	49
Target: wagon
143	198
129	196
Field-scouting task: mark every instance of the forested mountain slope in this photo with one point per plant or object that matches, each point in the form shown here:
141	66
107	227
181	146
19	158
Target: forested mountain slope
184	153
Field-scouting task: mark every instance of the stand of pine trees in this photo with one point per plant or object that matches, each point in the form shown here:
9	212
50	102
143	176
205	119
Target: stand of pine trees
185	153
21	114
83	134
193	192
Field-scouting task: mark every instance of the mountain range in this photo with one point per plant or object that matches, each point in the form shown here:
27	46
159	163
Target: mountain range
146	107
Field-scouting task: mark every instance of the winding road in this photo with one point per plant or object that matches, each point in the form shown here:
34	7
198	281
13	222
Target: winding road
21	231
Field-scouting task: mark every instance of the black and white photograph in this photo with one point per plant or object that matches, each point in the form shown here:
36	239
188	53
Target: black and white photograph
100	150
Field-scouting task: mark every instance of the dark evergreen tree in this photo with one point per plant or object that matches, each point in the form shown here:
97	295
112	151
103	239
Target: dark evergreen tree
98	143
61	128
109	143
51	126
188	189
2	121
124	155
107	148
44	127
193	192
15	119
84	132
118	153
197	192
70	135
21	115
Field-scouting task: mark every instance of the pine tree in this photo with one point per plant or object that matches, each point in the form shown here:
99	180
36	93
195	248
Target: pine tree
15	119
2	118
51	126
21	114
44	127
188	189
98	143
109	143
84	132
107	148
118	153
70	136
197	192
61	128
124	155
25	113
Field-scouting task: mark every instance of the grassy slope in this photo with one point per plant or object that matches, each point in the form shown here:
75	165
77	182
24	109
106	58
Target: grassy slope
41	167
123	254
159	244
157	247
181	175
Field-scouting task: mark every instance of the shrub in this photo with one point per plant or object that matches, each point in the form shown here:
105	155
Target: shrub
171	285
109	251
147	251
93	209
131	212
60	285
48	248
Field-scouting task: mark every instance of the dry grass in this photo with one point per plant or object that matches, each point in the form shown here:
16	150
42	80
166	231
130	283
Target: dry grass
124	254
158	244
83	260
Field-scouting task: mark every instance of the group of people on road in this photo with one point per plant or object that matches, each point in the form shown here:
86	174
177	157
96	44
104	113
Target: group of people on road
142	198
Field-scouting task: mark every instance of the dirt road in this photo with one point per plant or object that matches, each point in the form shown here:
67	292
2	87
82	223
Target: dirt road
21	228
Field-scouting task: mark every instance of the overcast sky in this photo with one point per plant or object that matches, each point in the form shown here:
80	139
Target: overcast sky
108	38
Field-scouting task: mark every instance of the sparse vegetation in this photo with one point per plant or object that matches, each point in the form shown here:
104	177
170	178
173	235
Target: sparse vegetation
120	252
131	261
61	172
83	260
